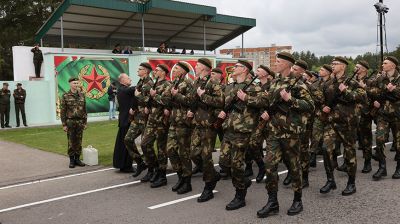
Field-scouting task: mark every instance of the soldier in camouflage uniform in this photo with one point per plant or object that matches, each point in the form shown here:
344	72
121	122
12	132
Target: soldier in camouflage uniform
207	100
156	127
142	94
74	118
241	120
255	150
386	94
285	114
364	130
341	96
178	143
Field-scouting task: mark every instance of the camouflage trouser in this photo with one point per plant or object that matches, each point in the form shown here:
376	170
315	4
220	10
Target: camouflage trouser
343	134
178	149
382	130
74	135
289	149
151	135
202	146
317	135
255	150
365	136
305	147
134	131
225	154
233	150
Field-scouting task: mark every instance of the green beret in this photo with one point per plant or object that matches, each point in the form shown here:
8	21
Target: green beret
206	62
286	56
183	65
315	74
73	79
301	64
364	64
217	70
146	65
341	59
246	63
163	67
392	59
309	73
328	68
269	71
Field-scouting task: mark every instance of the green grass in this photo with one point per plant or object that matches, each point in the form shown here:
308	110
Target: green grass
101	135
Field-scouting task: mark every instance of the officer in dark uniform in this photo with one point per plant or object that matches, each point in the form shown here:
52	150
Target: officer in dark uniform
5	106
19	99
37	59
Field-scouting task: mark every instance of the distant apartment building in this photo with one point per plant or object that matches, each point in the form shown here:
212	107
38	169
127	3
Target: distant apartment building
260	55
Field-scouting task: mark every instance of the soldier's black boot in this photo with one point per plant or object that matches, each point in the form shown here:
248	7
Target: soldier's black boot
313	160
225	172
238	201
207	193
155	175
330	185
71	162
272	206
297	205
179	183
367	166
343	167
248	171
186	186
161	179
305	180
139	169
381	171
148	175
288	179
351	187
78	162
197	169
261	171
393	148
396	174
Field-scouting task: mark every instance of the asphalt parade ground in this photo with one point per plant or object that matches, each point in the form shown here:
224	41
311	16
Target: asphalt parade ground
41	189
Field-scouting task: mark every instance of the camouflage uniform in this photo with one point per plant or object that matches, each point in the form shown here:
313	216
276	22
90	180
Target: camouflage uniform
74	117
317	135
138	124
342	122
206	109
178	143
285	127
156	129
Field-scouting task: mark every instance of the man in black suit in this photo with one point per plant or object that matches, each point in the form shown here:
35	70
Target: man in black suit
127	101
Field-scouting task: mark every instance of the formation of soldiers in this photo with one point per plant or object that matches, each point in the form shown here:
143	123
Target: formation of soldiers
297	113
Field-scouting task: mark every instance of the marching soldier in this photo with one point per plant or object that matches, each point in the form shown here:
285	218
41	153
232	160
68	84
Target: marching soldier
74	119
156	127
137	126
385	91
284	136
207	100
178	143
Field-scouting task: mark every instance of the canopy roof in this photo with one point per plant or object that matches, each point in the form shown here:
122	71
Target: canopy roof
107	22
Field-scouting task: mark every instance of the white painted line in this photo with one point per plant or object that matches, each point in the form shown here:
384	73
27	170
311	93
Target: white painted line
176	201
68	196
321	161
54	178
279	173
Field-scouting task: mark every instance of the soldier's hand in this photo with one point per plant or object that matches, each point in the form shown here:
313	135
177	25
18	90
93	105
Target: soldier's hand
241	95
377	104
326	109
362	84
65	128
146	110
174	91
190	114
222	115
342	87
200	91
285	95
166	112
390	87
131	112
137	93
265	116
152	92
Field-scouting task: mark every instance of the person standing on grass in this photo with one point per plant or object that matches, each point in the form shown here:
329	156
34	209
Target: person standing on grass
74	120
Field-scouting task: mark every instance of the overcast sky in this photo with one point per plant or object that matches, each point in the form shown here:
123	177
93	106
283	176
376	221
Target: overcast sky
335	27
